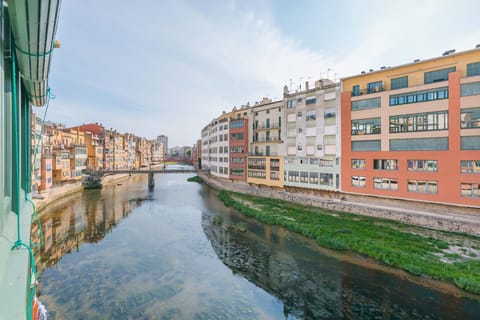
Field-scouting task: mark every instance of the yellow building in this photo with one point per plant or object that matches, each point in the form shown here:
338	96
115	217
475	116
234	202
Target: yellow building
265	149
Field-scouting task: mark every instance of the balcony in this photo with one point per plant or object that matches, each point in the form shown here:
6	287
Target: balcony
263	126
262	154
267	139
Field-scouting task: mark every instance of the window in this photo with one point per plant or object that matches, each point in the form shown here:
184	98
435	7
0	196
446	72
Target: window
430	121
326	163
313	178
422	165
470	166
470	118
419	96
470	143
237	136
473	69
381	164
419	144
385	183
303	177
293	176
358	163
257	163
291	104
470	89
358	181
274	175
422	186
330	113
368	145
299	147
376	86
236	150
236	124
366	104
319	147
237	172
399	83
471	190
275	164
437	75
299	114
237	160
366	126
257	174
326	179
311	115
355	90
311	100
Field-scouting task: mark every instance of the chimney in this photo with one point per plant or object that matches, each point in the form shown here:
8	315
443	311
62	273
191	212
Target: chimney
306	85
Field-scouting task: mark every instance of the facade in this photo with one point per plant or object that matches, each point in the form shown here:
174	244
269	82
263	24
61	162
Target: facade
164	140
37	146
219	136
312	146
265	149
413	131
238	144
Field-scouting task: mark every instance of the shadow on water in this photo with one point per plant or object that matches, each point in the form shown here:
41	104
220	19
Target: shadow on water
315	283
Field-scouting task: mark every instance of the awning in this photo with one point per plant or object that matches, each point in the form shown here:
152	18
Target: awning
34	24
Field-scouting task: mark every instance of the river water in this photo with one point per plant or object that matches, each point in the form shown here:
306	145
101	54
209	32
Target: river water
176	252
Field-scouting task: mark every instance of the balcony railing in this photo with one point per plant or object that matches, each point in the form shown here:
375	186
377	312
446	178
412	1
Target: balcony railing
263	126
267	139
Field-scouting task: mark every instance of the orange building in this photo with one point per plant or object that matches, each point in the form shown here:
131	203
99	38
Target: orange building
413	131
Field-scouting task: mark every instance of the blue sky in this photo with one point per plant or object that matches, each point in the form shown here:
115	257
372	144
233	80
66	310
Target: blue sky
169	67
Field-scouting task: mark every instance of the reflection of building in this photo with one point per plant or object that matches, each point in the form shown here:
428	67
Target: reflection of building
413	131
87	218
314	285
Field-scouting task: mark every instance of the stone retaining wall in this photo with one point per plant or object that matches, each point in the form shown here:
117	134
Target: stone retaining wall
453	219
56	193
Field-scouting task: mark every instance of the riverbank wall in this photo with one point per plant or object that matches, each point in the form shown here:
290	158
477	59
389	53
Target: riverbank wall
54	194
435	216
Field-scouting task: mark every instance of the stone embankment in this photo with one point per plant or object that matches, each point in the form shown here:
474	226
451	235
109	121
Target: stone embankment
435	216
57	193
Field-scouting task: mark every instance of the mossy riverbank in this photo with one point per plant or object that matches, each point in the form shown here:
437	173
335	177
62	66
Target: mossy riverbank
440	255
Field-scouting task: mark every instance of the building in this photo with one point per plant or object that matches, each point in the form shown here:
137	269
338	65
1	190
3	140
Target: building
164	140
413	131
95	142
37	145
312	146
238	143
265	148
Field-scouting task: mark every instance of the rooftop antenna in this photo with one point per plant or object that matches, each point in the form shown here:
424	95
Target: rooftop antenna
336	74
328	73
291	83
300	86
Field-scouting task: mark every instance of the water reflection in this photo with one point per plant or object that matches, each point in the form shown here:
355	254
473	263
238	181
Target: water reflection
71	221
315	285
127	253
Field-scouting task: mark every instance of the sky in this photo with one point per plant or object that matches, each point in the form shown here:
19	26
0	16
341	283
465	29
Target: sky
153	67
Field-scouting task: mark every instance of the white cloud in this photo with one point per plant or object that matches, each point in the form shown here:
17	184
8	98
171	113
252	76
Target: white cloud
169	68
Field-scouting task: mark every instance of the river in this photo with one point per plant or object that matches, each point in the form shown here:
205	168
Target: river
176	252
